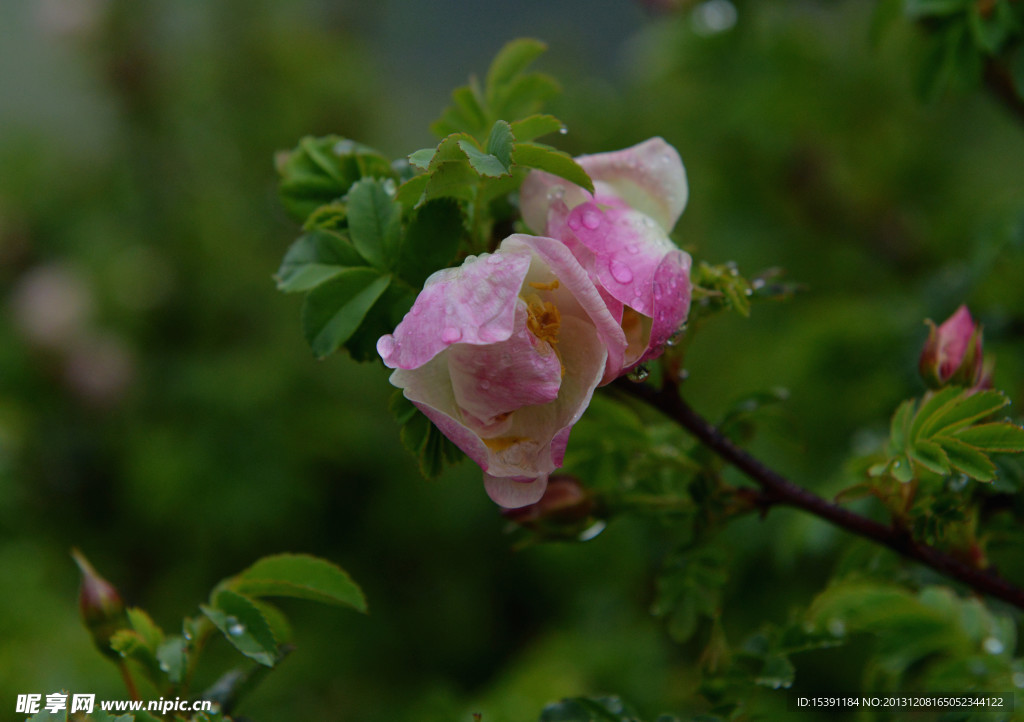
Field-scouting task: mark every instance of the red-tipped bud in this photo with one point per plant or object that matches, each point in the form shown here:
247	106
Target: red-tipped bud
100	604
564	510
952	355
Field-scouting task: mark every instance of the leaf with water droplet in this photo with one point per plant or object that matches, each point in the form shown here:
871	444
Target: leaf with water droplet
173	658
242	624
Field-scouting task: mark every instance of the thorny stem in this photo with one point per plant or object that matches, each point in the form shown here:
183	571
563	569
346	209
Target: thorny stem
778	490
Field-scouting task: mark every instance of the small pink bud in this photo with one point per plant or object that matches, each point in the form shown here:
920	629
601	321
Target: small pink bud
100	604
952	355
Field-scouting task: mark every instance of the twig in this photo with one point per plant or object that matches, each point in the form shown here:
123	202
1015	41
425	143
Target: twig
778	490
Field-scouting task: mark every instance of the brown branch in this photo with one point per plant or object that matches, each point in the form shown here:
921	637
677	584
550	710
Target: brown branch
778	490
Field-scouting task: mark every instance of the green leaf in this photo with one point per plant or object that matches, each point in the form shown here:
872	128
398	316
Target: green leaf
314	258
589	709
483	163
998	436
300	576
931	456
333	310
374	221
509	63
900	427
451	179
524	96
410	192
536	126
690	587
466	114
940	401
422	157
545	158
321	170
500	142
173	658
963	411
969	460
243	625
431	240
148	631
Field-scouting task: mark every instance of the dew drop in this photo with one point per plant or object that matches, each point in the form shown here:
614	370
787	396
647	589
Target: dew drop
683	374
992	645
649	222
563	130
556	193
676	337
574	223
638	374
591	219
592	531
621	272
638	292
632	248
451	335
416	310
494	259
485	384
837	627
236	630
1018	680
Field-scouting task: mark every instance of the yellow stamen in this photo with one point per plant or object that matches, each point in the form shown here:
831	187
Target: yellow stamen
544	286
501	443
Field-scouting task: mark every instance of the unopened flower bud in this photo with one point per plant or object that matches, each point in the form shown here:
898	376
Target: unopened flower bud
100	604
952	355
564	509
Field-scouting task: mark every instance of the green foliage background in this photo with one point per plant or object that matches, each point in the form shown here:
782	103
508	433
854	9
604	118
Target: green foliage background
136	176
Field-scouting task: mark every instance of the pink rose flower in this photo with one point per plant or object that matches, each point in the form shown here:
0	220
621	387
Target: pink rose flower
620	235
503	355
953	354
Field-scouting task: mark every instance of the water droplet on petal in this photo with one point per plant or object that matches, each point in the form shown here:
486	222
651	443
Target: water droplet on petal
591	219
485	384
451	335
638	374
649	222
632	248
621	272
494	259
574	223
676	337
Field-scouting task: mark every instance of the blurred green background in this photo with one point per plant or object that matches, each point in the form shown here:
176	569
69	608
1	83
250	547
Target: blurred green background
160	410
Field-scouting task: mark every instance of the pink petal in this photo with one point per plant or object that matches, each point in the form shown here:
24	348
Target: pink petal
627	248
513	494
649	177
474	303
493	380
577	296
